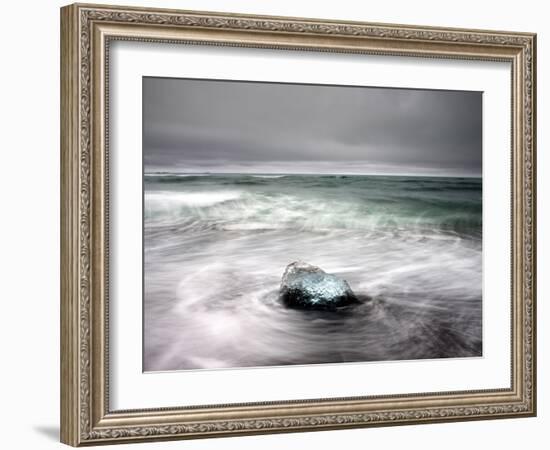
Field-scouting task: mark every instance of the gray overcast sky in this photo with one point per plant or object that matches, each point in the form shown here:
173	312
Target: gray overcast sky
227	126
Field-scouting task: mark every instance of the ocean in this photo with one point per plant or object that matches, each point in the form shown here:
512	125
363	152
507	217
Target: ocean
216	247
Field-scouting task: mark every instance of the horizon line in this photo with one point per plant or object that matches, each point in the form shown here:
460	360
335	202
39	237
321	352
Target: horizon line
318	173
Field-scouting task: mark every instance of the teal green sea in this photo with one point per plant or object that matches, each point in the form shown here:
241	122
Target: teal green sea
216	246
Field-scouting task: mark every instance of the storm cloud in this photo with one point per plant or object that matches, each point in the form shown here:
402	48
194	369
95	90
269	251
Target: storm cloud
233	126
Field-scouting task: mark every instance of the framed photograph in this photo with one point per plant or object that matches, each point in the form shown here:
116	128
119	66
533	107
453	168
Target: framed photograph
273	224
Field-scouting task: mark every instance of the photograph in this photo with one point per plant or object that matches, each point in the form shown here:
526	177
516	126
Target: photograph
292	222
297	224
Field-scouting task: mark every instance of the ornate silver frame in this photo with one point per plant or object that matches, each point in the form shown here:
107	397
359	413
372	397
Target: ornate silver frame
86	32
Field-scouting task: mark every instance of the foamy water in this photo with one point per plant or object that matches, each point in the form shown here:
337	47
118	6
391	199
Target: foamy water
216	248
